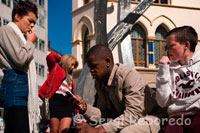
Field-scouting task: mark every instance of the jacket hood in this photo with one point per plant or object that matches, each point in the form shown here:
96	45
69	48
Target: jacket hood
195	58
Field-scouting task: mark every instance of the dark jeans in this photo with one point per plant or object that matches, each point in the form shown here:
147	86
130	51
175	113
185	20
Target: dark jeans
183	124
14	98
14	88
16	119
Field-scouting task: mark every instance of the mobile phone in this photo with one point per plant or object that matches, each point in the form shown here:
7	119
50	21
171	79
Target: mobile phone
70	94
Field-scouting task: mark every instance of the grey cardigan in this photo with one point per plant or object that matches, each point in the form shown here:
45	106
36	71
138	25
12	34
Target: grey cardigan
14	54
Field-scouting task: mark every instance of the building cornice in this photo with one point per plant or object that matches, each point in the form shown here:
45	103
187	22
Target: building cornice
82	7
76	42
91	35
146	69
154	4
151	37
171	6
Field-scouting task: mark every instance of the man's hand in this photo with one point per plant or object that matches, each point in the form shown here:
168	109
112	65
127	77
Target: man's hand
83	127
31	36
77	101
165	60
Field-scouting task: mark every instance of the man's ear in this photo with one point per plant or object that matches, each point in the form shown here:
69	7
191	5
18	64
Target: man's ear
17	18
108	61
187	45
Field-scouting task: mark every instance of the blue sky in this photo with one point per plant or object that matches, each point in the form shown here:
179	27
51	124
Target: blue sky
60	25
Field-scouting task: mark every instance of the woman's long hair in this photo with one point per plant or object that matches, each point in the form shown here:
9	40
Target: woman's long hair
65	60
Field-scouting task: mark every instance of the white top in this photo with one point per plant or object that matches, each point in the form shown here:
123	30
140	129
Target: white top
178	86
64	87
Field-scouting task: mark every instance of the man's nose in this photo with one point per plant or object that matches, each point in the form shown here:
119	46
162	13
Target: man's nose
32	25
91	70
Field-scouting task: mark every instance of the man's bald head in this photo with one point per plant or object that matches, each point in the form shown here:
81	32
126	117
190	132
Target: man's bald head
100	51
100	61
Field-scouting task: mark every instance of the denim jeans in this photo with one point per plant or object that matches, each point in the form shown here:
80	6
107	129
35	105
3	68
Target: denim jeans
14	88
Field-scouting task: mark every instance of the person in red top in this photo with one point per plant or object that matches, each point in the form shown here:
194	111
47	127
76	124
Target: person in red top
60	69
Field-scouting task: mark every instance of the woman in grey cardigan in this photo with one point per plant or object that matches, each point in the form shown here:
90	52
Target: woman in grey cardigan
16	54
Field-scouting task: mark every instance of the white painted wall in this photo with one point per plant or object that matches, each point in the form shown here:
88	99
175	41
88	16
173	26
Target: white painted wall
178	13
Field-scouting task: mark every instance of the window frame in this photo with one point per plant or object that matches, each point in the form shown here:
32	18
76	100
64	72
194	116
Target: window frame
37	43
86	1
41	70
136	57
41	3
160	50
137	62
157	1
86	44
36	67
41	45
41	21
160	2
160	40
6	2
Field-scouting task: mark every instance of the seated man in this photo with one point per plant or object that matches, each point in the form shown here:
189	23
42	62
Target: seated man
122	100
178	81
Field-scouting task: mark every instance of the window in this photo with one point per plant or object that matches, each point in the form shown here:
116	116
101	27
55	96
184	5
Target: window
36	43
161	1
41	45
138	45
136	0
36	67
41	3
86	44
156	1
5	21
6	2
160	44
41	21
86	1
41	70
39	87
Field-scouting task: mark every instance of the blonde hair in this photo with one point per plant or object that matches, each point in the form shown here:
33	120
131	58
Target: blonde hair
65	60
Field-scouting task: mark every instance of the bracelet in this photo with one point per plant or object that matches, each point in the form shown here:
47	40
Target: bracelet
83	109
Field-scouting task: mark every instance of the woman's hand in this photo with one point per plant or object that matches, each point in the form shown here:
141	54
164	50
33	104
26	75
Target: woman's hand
31	36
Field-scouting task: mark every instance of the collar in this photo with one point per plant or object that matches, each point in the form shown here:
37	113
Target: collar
110	80
17	31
